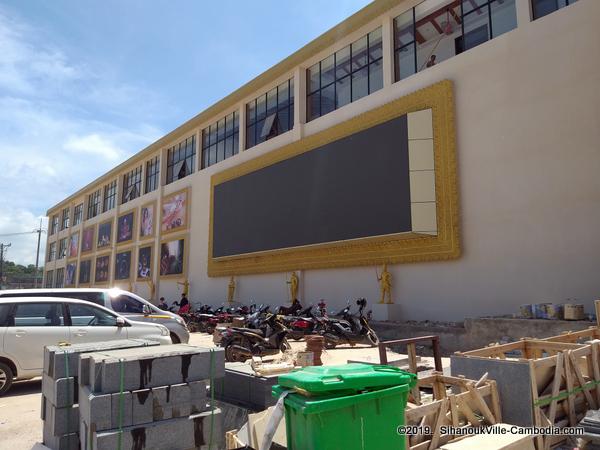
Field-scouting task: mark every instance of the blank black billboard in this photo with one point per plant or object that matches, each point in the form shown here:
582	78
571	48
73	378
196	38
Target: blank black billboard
355	187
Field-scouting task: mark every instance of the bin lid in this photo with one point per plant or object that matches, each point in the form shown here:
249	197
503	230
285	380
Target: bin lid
322	380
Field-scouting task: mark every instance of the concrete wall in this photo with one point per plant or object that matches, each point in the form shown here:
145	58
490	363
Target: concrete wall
528	127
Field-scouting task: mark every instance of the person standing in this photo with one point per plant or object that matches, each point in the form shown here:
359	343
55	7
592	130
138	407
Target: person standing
163	305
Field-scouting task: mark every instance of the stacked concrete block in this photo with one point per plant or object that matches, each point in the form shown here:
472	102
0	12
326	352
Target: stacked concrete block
60	403
150	399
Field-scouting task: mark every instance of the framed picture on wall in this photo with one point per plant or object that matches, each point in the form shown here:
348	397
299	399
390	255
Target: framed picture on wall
74	245
147	221
70	274
87	240
123	265
125	224
84	271
104	235
144	263
174	213
172	259
102	271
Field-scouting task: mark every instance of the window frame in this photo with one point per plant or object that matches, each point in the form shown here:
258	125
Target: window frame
152	181
109	200
217	139
77	214
93	306
12	314
66	215
62	250
132	185
59	277
189	159
93	208
51	252
53	224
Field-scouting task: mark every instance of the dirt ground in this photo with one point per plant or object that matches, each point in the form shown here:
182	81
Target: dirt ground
21	426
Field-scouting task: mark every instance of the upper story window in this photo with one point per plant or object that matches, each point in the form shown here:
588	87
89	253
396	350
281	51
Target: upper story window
181	159
132	184
221	140
66	213
54	224
110	196
152	174
78	214
60	278
52	251
270	114
93	204
436	30
349	74
62	248
544	7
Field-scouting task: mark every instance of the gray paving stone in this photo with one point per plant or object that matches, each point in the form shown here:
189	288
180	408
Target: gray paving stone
143	368
179	400
95	410
66	442
142	401
60	392
61	361
174	434
125	408
59	421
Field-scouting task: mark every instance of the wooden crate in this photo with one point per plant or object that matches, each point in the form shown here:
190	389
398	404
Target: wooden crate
465	405
576	337
564	377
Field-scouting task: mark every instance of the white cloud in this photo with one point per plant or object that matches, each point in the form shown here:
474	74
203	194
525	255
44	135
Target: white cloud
62	124
16	229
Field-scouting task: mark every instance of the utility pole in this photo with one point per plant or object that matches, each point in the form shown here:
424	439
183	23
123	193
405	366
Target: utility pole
37	256
3	247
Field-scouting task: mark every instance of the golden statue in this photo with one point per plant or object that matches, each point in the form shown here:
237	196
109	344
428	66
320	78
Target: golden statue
186	286
385	285
230	290
294	282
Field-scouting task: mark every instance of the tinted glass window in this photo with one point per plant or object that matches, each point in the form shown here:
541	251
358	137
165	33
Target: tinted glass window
126	305
94	297
4	310
90	316
39	315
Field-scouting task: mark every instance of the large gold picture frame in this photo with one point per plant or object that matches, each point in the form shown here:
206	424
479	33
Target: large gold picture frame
394	248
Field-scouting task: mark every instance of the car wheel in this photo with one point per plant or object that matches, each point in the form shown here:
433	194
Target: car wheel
175	339
6	378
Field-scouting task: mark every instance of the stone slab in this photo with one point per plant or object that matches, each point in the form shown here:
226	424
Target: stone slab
66	442
143	368
95	410
125	402
512	379
59	421
242	387
142	403
60	392
175	434
179	400
61	361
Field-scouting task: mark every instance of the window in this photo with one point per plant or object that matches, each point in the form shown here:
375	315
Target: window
436	30
60	278
125	304
54	224
346	76
49	278
132	184
152	173
221	140
181	159
65	218
93	204
39	315
78	214
110	196
270	114
5	315
90	316
545	7
62	248
52	252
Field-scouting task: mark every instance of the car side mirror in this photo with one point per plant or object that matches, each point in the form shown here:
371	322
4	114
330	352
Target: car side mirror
120	322
146	310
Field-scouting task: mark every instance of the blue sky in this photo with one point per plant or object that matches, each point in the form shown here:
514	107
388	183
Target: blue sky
85	84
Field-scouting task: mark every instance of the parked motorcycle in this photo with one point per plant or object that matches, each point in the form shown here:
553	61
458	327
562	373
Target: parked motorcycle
243	343
305	322
347	328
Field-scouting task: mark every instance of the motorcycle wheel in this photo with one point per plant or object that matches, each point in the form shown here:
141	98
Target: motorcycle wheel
232	354
285	346
373	338
330	342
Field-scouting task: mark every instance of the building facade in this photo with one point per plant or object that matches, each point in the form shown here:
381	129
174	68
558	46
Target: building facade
453	141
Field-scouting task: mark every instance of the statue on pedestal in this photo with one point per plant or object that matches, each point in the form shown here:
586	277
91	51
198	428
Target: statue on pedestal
385	285
230	290
294	283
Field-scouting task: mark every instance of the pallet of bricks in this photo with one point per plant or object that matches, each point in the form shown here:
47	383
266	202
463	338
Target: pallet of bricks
60	404
438	401
543	383
150	398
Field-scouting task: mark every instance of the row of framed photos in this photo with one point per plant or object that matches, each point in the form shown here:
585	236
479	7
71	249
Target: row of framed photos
172	263
174	217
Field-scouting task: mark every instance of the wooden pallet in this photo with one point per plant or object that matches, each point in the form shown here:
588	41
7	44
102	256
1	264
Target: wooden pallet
468	403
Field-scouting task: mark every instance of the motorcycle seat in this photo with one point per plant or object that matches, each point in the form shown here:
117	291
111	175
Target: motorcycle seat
249	330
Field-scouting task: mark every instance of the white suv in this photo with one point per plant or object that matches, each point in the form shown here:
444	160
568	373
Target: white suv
28	324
